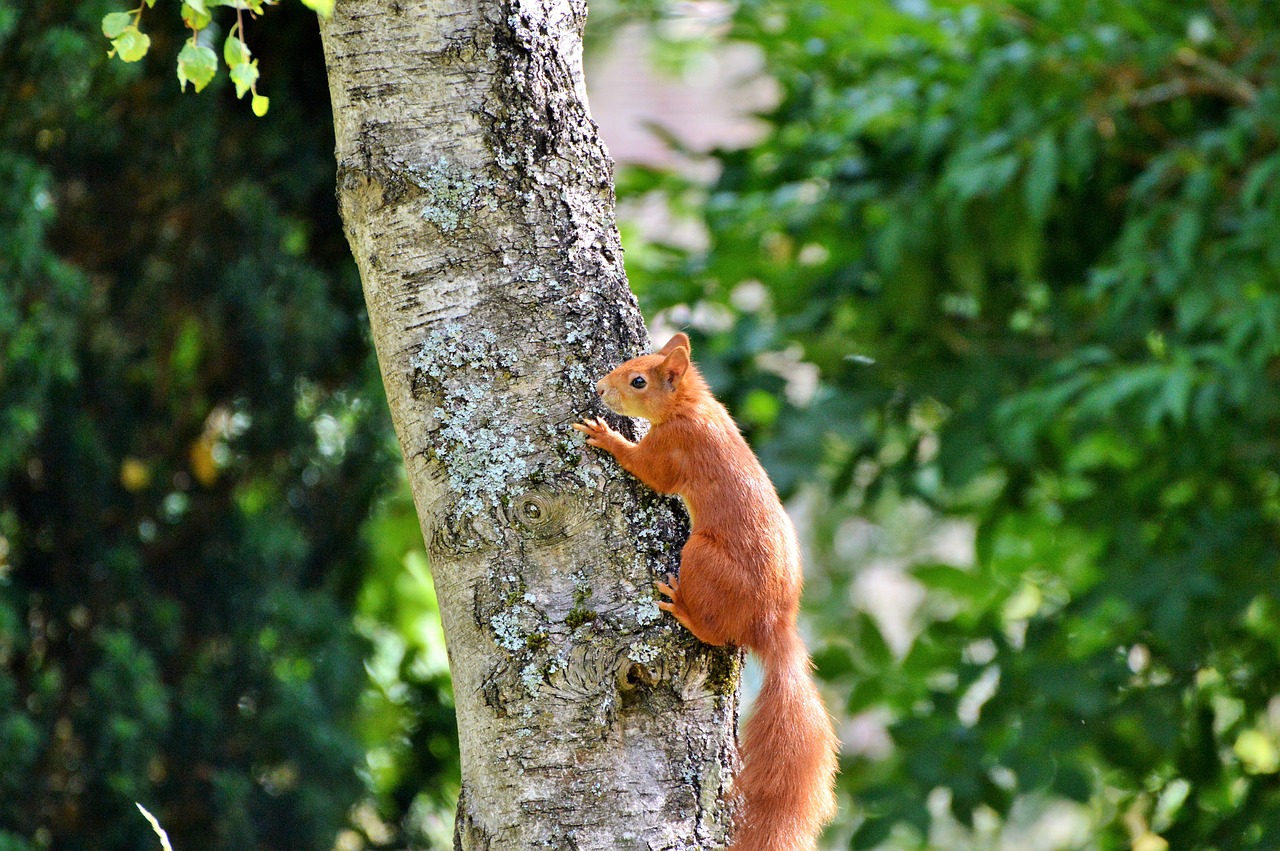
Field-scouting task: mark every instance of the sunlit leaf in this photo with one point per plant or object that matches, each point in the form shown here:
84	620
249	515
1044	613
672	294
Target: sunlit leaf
131	45
197	64
235	52
244	75
1258	752
195	16
324	7
116	23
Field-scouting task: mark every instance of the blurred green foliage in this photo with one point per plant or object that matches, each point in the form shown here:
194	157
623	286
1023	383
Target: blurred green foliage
1032	249
192	436
407	720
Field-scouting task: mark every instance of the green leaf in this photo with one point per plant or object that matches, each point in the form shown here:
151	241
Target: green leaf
872	832
323	7
1254	186
1258	752
946	577
1073	783
244	75
131	45
260	105
1184	238
867	693
760	407
195	15
873	649
971	175
1120	388
833	661
197	64
1042	177
1175	399
116	23
235	52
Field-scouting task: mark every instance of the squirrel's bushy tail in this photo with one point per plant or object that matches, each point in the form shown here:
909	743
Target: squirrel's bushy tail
789	756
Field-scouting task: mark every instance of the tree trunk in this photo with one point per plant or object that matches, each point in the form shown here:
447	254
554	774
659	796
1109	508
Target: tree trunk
478	202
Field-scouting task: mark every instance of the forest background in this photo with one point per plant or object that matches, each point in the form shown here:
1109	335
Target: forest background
995	294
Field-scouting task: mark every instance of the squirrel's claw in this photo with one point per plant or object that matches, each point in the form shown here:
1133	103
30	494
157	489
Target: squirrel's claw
676	611
596	430
669	586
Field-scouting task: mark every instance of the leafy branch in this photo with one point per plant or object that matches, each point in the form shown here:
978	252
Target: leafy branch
197	61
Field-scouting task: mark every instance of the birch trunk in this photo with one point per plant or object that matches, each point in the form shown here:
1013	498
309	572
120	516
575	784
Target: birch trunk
478	202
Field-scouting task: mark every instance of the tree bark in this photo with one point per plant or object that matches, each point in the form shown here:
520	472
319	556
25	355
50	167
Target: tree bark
478	202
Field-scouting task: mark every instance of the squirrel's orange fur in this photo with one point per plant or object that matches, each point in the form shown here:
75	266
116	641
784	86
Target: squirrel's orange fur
739	584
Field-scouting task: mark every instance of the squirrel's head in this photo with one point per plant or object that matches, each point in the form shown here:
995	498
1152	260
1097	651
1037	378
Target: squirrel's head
650	385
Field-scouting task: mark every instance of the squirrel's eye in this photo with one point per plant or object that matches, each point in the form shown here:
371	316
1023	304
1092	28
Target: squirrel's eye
638	382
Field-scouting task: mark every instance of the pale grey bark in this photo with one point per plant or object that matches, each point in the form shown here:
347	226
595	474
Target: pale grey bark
478	203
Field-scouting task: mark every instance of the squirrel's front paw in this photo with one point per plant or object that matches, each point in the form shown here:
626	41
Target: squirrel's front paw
671	589
597	431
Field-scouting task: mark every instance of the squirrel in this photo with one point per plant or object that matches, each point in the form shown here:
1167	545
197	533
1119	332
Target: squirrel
739	583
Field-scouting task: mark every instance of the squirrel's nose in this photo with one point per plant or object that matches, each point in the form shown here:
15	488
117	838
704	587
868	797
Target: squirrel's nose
599	388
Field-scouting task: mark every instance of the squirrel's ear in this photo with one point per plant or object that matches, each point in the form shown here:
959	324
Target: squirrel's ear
675	366
679	341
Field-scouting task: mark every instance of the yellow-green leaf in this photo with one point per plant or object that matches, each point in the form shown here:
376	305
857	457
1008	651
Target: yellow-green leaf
195	15
235	52
197	64
1258	752
131	45
116	23
244	76
323	7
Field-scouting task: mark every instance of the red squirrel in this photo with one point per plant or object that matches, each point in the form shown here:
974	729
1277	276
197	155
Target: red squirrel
739	584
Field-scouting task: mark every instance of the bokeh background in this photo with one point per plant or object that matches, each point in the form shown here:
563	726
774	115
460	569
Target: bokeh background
993	288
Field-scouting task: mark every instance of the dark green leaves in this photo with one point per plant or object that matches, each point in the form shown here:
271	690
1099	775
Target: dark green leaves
169	344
